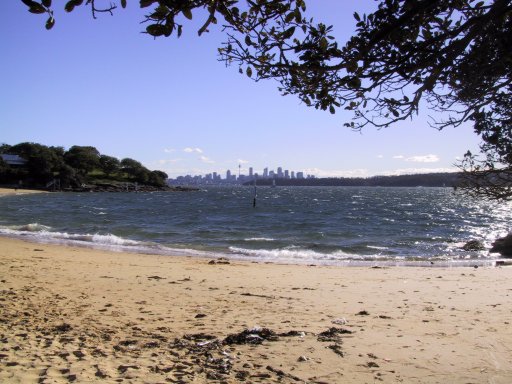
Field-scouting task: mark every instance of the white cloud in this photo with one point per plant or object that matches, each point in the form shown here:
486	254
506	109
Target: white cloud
412	171
241	161
380	156
206	160
430	158
169	161
169	150
193	150
337	173
424	159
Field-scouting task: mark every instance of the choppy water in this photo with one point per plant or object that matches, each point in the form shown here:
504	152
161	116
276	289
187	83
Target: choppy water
320	225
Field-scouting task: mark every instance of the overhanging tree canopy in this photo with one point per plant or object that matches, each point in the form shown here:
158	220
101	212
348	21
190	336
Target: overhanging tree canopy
453	56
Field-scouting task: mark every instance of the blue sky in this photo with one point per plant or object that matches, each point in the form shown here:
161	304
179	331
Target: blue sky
171	105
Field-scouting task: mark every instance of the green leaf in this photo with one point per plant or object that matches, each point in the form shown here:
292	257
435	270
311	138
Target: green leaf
50	23
187	13
47	3
323	43
37	8
123	3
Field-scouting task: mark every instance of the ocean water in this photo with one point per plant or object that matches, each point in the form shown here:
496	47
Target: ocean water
300	225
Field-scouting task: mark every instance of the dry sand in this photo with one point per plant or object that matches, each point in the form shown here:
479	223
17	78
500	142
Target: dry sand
12	191
81	315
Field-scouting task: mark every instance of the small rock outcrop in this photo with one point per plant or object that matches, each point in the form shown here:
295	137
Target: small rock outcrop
503	246
473	245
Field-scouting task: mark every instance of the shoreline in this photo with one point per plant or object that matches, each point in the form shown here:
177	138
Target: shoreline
19	191
163	251
85	315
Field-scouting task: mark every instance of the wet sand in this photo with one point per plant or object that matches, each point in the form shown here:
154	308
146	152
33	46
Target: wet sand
81	315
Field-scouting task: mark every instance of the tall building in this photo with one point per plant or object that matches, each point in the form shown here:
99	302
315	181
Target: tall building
286	174
250	172
265	172
280	172
300	175
293	174
228	175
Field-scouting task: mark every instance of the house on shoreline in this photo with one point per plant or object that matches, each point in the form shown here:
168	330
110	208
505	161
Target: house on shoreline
13	160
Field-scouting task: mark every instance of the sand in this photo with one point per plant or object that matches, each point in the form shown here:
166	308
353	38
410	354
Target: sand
12	191
81	315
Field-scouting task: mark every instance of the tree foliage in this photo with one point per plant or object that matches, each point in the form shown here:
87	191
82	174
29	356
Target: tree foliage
83	159
109	164
451	56
73	167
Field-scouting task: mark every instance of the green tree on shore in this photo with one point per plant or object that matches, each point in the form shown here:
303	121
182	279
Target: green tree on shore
73	168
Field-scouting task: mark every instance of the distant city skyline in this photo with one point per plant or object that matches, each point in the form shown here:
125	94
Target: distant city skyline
239	177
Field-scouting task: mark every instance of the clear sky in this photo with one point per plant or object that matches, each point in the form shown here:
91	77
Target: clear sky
171	105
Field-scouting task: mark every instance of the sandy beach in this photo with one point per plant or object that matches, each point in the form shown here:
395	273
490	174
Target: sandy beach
20	191
82	315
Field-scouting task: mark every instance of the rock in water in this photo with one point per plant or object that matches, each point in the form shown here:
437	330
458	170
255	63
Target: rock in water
473	245
503	246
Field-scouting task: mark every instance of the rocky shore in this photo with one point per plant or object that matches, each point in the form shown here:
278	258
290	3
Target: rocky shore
127	187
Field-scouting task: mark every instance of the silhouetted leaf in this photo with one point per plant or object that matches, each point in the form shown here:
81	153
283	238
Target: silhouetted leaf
249	71
323	43
123	3
70	5
37	8
47	3
50	23
155	30
187	13
289	33
146	3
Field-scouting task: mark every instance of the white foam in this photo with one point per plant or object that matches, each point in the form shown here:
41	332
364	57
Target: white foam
294	254
260	239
